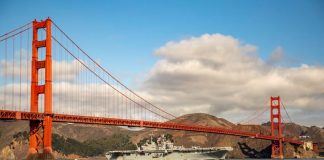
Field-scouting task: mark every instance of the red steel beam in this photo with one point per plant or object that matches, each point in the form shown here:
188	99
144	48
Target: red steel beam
4	114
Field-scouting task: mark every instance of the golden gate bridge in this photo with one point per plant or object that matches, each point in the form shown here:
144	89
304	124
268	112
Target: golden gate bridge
47	77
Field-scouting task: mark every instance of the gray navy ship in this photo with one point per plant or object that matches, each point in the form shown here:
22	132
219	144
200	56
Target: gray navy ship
163	149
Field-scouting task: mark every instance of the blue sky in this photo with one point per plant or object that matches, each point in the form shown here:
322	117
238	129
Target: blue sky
124	34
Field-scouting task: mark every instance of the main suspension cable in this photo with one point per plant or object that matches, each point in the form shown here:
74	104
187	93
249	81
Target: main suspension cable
105	80
16	29
109	72
286	112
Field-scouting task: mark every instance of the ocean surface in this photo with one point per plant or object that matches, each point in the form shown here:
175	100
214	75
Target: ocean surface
103	158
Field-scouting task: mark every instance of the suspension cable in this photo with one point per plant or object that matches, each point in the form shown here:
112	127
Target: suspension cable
110	73
16	29
253	115
286	112
105	80
257	115
14	34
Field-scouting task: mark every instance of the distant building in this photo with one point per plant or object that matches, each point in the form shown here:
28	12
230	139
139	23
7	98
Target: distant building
321	149
304	137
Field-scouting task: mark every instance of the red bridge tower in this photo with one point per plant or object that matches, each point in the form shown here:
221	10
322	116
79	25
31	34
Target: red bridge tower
276	130
40	137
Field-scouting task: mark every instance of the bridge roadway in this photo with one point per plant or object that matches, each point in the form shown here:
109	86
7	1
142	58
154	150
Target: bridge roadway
16	115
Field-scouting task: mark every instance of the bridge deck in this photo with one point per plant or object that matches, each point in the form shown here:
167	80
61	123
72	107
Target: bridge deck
15	115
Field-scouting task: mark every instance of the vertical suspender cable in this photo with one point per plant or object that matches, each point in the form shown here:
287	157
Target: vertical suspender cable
20	48
6	73
13	73
27	71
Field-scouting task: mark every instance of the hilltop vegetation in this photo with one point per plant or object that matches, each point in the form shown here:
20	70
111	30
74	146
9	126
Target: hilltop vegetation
94	147
89	148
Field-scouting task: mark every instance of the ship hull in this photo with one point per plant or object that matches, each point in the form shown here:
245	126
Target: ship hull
218	154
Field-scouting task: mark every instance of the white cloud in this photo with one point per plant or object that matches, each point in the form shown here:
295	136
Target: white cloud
276	56
218	74
62	70
215	74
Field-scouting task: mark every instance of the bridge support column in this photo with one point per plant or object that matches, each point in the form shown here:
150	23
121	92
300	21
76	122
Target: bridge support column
276	130
40	137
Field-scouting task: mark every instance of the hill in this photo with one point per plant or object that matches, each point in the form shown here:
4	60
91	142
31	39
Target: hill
84	140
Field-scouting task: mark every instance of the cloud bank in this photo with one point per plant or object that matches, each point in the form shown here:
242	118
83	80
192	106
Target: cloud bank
76	91
213	73
219	75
